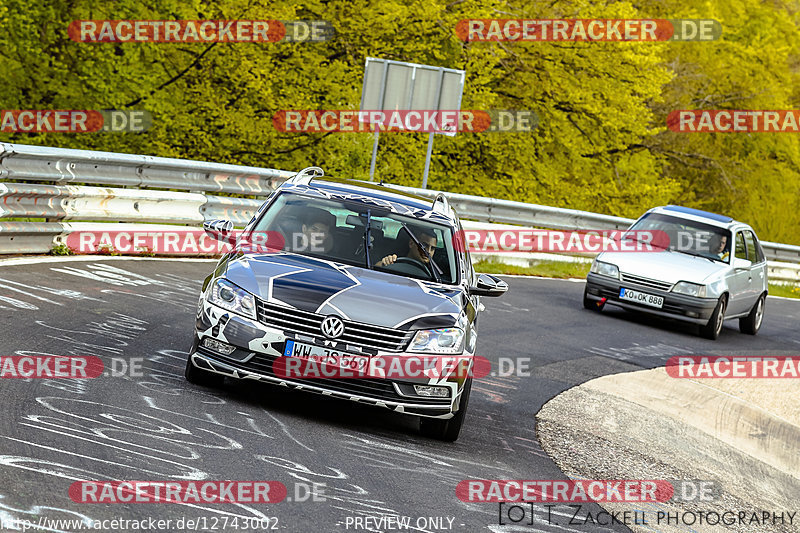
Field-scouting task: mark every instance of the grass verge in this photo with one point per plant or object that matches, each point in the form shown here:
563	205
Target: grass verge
548	269
787	291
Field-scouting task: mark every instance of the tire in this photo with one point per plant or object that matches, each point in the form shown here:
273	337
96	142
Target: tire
198	376
448	430
752	322
714	326
590	304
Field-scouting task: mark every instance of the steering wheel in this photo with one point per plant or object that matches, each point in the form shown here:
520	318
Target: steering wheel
412	262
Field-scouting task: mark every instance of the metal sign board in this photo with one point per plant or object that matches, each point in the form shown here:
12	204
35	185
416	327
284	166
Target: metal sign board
399	86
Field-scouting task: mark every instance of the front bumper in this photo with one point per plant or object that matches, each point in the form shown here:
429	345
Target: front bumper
677	306
258	346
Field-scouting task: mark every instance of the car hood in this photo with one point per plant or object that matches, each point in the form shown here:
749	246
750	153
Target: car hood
353	293
670	267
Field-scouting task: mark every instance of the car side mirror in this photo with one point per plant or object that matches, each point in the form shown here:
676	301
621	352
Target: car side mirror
741	264
220	230
487	285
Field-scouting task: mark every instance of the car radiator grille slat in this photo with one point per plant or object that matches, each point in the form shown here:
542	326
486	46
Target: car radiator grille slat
647	282
357	333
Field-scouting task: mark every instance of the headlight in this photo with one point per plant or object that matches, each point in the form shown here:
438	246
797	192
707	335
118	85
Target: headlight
605	269
692	289
445	340
228	296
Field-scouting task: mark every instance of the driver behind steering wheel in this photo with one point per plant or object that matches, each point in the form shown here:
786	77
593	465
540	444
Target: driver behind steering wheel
426	237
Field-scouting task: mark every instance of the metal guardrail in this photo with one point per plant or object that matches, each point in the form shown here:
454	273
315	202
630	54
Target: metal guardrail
781	252
71	202
62	166
28	237
60	201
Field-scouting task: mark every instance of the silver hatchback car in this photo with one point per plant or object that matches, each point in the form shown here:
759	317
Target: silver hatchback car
702	268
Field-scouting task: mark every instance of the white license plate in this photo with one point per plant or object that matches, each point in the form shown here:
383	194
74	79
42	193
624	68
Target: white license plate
330	357
641	298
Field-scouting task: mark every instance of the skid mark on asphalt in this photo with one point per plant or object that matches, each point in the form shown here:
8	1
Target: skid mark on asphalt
496	389
637	350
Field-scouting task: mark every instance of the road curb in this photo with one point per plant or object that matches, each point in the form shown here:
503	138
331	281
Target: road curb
748	428
647	425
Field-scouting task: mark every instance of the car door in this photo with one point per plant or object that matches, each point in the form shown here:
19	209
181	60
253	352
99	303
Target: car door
758	270
740	279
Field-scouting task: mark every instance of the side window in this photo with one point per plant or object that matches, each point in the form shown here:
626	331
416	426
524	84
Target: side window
754	251
741	250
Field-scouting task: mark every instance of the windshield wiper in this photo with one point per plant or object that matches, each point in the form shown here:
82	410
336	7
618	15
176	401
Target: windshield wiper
436	270
368	237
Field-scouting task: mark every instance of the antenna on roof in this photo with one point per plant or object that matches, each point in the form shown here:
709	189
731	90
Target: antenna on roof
305	176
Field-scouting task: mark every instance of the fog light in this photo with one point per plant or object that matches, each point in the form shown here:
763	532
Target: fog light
432	391
218	346
692	314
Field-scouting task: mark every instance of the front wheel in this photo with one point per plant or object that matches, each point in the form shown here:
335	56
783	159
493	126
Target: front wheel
590	304
714	326
448	430
752	322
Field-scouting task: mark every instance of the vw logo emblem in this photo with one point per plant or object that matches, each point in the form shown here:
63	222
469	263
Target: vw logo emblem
332	327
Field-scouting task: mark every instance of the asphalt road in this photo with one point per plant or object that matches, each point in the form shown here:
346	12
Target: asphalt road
153	425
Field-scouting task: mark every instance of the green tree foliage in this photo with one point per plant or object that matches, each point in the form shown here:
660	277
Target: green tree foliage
753	176
601	144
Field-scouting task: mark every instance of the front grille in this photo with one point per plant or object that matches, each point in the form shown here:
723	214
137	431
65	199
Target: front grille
375	388
368	336
646	282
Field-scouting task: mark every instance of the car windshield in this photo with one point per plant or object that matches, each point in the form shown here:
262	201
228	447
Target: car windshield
336	231
687	236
